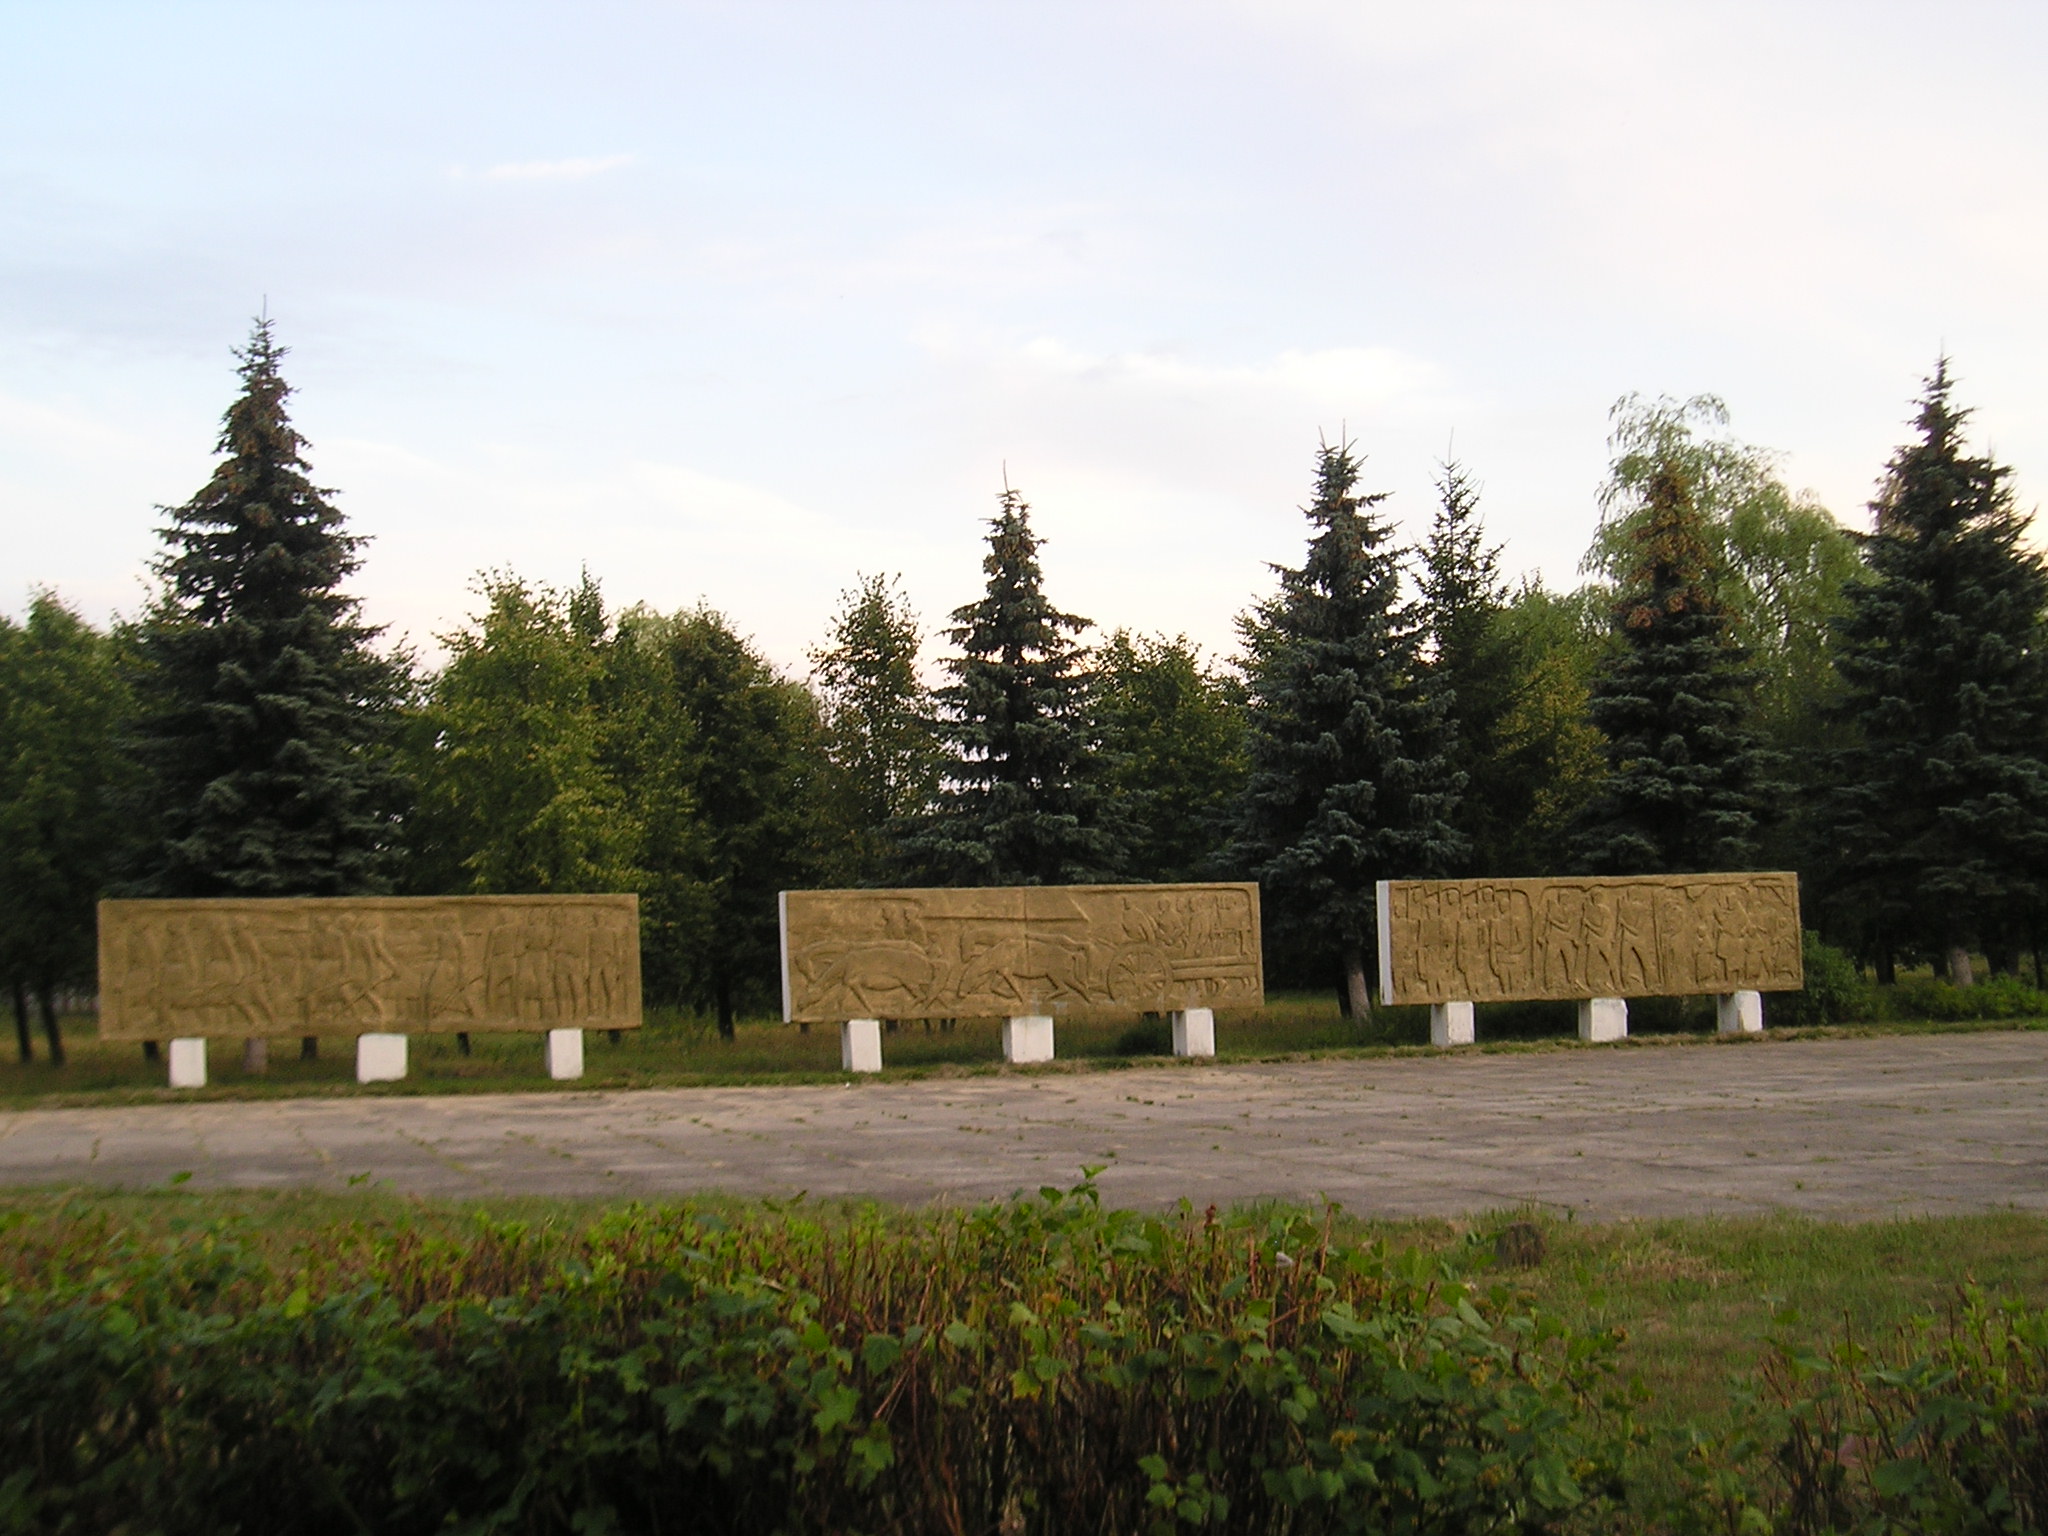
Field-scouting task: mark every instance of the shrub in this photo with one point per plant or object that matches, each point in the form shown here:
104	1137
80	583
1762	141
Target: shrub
1833	991
1041	1365
1943	1429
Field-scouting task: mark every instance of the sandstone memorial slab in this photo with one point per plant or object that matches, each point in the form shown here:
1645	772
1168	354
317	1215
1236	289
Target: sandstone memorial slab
378	967
1595	939
1026	954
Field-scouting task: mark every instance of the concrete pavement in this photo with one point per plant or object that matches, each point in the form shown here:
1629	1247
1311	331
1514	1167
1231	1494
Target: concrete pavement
1894	1125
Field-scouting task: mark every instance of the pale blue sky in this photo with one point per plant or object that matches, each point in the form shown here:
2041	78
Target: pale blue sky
736	301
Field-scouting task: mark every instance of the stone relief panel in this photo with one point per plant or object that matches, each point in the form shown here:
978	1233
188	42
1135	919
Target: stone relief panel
1487	941
368	964
1006	951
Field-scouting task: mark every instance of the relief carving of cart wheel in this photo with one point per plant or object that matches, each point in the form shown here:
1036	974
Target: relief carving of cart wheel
1139	974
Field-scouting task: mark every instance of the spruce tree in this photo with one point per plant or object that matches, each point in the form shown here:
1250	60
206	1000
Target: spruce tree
1349	779
1484	671
1936	827
1019	805
265	712
1687	783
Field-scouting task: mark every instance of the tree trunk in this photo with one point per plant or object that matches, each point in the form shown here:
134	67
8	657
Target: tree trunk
255	1056
51	1030
1887	969
309	1047
462	1042
22	1038
1343	999
1356	991
1960	974
722	990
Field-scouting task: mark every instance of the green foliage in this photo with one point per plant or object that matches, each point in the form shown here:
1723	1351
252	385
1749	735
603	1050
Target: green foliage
265	716
1560	642
1781	561
1686	779
1942	1427
1833	990
65	792
878	714
705	723
508	753
1935	822
1038	1366
1172	735
1513	715
1020	804
1349	781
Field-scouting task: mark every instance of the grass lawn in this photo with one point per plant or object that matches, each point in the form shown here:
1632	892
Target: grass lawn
1695	1297
679	1050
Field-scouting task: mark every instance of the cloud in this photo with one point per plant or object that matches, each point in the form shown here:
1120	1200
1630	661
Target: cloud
574	169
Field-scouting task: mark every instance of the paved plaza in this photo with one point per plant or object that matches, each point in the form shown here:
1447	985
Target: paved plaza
1897	1125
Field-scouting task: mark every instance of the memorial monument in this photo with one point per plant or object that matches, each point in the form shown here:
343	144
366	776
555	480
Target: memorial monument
378	967
1597	940
1024	954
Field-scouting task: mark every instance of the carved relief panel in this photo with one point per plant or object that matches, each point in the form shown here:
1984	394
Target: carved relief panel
1013	950
368	964
1626	936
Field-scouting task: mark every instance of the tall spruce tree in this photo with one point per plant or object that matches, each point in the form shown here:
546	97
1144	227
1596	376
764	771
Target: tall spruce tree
1937	820
1687	782
1485	671
1349	779
1019	805
264	710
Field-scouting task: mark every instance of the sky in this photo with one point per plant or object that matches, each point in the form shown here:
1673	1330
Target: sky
733	303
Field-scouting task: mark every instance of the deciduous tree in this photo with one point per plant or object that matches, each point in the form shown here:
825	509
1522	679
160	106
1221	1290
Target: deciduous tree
1172	735
65	792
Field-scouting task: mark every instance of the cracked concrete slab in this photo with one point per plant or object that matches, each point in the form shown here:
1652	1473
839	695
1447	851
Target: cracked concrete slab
1848	1128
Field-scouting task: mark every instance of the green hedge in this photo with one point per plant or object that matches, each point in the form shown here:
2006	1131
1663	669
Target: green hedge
1040	1365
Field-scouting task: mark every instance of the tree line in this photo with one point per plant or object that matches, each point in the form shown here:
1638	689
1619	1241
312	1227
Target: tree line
1739	682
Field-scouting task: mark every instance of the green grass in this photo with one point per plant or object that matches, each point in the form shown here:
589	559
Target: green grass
680	1050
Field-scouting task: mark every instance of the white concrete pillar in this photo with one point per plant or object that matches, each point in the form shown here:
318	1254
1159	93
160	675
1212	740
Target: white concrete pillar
188	1063
1739	1013
1028	1038
1603	1018
564	1053
1194	1031
380	1058
1451	1024
860	1045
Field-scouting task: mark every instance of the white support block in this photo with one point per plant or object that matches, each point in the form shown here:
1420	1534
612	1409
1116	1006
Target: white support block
380	1058
1451	1024
860	1045
1739	1013
565	1054
188	1063
1194	1031
1028	1038
1603	1018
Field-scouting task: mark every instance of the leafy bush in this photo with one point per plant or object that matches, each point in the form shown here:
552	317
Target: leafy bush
1945	1429
1833	991
1041	1365
2000	997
